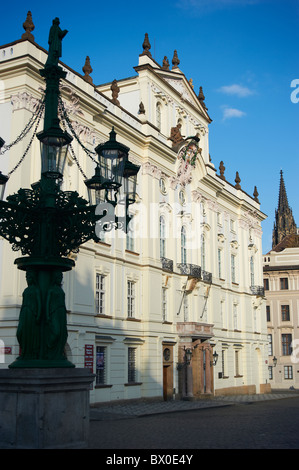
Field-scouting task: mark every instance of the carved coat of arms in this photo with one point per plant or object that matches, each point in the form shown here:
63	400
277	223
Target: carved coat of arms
187	156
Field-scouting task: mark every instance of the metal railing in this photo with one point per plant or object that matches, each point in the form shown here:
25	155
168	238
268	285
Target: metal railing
167	264
258	290
191	270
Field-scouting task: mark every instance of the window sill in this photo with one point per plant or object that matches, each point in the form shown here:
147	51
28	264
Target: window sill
103	386
132	252
167	322
102	315
132	384
133	319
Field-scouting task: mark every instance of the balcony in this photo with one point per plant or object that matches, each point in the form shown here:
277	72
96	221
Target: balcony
195	330
259	291
206	276
167	265
191	270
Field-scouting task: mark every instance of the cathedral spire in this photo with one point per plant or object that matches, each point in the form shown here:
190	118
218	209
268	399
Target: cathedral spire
284	221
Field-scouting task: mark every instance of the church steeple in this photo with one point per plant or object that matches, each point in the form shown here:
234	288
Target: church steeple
284	221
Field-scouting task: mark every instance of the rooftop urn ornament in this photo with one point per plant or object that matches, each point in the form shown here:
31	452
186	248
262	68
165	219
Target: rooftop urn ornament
222	170
201	97
29	27
237	181
255	195
146	46
175	60
115	92
87	69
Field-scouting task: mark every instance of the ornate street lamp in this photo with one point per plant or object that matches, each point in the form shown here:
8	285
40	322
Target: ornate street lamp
112	158
47	224
130	181
188	355
215	359
274	361
3	178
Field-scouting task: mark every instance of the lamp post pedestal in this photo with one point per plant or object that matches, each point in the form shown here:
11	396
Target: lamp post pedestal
44	408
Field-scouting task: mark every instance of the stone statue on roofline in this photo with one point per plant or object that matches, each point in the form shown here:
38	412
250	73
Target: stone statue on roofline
55	43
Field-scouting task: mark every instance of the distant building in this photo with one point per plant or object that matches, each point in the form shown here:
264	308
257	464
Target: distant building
188	276
281	283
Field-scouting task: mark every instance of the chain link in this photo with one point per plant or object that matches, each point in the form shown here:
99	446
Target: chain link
65	117
27	128
38	118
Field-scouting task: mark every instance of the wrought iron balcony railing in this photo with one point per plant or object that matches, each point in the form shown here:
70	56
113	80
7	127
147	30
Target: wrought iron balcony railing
167	264
258	291
191	270
206	276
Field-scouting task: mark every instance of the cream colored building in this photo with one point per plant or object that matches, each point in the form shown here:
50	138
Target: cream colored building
189	276
281	281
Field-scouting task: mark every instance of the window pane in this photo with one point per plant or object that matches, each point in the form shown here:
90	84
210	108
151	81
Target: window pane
131	365
101	365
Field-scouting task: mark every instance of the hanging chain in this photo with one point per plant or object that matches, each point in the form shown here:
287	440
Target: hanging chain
65	117
35	116
76	161
38	118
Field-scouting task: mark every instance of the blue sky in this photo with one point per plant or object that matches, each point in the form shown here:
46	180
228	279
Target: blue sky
244	53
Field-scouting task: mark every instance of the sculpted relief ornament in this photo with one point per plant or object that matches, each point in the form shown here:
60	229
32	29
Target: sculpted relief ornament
187	159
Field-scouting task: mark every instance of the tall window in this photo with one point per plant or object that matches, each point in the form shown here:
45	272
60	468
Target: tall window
251	271
129	241
286	340
131	299
183	245
164	304
223	362
101	365
158	115
268	313
219	263
284	284
131	365
266	284
288	372
203	252
285	313
100	294
162	237
235	315
270	346
237	363
233	267
186	308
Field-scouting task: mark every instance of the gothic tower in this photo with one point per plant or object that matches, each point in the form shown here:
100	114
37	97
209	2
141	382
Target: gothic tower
284	221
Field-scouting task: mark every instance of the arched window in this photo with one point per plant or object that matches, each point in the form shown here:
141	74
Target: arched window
203	253
183	245
162	237
158	115
251	270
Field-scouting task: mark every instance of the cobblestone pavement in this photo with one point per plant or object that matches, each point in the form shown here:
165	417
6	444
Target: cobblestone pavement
134	409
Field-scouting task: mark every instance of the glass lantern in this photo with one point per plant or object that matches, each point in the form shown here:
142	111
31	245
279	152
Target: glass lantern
96	190
112	157
3	181
54	148
130	181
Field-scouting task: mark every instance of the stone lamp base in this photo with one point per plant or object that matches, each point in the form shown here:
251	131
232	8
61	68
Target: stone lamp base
44	408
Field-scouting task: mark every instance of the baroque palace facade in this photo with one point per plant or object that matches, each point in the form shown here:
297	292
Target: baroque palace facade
151	311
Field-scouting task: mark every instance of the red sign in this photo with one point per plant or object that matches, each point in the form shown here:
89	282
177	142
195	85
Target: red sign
88	357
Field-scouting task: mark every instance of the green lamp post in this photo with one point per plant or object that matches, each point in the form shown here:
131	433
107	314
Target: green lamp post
47	224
